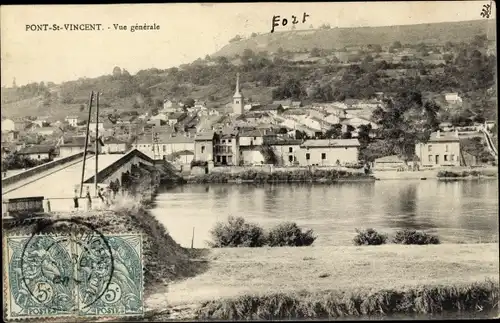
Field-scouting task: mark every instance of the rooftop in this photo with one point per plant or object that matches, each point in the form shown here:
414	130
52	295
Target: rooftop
38	149
317	143
444	137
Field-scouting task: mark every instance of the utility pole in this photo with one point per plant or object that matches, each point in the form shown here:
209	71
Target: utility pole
86	143
96	142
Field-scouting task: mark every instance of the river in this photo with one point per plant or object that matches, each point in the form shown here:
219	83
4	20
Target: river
458	211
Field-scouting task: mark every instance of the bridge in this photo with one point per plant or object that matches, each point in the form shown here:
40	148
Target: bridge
56	181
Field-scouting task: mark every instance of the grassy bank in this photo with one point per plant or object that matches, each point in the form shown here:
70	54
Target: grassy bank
414	301
164	259
318	176
243	283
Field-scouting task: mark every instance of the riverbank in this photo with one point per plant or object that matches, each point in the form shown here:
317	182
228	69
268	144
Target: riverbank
452	172
296	176
314	282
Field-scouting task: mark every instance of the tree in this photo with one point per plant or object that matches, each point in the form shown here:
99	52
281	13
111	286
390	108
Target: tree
315	52
117	72
189	103
406	121
235	39
397	45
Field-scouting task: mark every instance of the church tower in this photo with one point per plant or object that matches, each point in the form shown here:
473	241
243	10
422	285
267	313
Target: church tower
237	98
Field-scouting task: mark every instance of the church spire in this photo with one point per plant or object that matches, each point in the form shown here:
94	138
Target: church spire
237	91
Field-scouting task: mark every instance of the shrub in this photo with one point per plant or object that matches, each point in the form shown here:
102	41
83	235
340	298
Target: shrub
289	234
369	237
414	237
237	233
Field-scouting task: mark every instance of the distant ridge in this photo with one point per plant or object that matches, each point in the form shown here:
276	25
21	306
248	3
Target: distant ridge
338	38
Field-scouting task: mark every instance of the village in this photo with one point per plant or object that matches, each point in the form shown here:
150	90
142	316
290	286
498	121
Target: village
283	133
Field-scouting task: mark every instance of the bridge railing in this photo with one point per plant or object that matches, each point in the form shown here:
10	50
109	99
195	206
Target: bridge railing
38	169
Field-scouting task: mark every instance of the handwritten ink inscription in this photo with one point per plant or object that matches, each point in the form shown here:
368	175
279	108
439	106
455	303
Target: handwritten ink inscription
486	12
277	21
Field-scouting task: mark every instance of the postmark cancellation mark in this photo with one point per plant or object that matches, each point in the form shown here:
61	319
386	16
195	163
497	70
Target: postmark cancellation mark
68	276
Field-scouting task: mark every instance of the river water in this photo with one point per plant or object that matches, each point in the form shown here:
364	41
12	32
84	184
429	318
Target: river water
458	211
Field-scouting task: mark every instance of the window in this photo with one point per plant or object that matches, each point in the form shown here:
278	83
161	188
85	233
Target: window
429	148
38	156
254	138
202	149
290	149
308	156
223	141
218	159
323	156
446	156
229	159
446	148
164	148
229	141
290	158
452	157
430	158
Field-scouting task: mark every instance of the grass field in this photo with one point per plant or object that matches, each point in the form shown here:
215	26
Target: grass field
234	272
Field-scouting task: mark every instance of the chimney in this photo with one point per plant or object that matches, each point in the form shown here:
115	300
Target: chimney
456	133
438	134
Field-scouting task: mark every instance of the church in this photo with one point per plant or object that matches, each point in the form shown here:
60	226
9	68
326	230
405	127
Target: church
237	98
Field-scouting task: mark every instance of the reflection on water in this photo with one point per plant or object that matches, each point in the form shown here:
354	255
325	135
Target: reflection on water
460	211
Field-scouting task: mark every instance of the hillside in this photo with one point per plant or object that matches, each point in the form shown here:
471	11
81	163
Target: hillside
315	75
338	38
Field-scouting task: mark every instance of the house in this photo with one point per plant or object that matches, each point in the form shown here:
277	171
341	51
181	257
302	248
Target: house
164	144
175	117
226	148
200	105
183	157
446	126
72	120
489	124
113	145
204	146
388	163
356	122
93	126
10	135
286	104
72	145
159	116
328	152
251	142
442	149
8	125
38	152
274	109
285	150
452	98
47	131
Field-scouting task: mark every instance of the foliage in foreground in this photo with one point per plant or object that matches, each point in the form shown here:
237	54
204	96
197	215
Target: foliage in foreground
369	237
238	233
288	234
466	298
414	237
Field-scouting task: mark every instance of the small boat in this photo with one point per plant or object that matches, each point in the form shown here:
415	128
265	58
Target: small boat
423	178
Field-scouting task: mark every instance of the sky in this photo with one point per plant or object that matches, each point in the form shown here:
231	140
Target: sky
187	31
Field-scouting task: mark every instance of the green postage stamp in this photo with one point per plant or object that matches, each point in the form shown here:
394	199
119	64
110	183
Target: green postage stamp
73	275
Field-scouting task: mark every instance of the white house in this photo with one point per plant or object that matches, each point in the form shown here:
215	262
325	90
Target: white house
8	125
73	121
452	98
328	152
